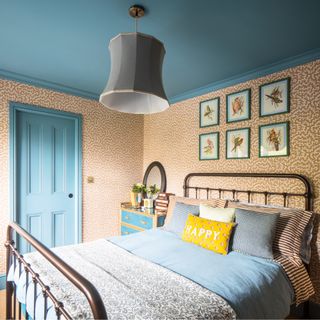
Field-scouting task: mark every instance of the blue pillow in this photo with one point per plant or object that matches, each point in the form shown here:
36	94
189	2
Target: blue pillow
254	233
180	216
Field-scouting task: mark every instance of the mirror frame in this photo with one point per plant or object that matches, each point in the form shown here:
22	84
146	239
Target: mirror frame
153	164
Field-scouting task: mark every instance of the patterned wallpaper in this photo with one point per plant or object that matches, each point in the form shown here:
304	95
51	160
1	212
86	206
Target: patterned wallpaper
171	137
116	147
112	154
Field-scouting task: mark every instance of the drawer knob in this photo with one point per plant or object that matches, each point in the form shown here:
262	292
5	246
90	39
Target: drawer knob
126	232
127	217
143	222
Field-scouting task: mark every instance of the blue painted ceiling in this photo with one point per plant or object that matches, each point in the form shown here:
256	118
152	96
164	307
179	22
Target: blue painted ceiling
66	41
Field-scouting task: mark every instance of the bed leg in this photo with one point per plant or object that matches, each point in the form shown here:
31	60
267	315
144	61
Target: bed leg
306	310
9	286
9	292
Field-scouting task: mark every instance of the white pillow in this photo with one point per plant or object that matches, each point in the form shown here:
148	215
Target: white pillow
217	214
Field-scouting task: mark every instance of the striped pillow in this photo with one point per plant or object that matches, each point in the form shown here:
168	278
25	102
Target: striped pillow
298	276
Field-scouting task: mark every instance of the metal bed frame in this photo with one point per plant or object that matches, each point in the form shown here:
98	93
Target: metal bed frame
307	194
13	311
13	308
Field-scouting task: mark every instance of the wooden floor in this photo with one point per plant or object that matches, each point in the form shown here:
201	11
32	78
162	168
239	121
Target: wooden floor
2	304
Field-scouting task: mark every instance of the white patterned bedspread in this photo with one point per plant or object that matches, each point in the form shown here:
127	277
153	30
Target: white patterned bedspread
130	287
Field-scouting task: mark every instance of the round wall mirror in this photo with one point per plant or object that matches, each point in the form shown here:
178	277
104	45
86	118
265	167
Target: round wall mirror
155	174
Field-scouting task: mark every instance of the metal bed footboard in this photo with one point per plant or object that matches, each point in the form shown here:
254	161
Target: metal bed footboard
13	308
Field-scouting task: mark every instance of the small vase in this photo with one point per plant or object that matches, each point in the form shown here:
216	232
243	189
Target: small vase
136	199
148	203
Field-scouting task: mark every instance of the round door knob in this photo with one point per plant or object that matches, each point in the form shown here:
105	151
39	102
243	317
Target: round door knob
70	195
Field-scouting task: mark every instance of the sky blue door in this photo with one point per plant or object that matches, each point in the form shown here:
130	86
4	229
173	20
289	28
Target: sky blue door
45	177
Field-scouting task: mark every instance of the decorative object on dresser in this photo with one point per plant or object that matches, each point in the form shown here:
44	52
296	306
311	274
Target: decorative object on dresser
155	175
136	194
162	202
139	219
151	193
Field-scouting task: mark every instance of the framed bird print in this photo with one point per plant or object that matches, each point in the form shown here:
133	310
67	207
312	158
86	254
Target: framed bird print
275	97
209	146
238	106
209	112
274	140
238	143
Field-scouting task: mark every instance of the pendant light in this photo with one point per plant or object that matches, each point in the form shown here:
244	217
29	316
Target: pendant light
135	80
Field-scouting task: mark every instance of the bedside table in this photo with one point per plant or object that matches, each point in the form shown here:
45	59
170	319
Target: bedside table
136	220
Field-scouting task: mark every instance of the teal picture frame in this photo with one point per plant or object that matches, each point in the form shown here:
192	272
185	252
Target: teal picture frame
286	138
216	145
205	123
263	112
246	95
247	142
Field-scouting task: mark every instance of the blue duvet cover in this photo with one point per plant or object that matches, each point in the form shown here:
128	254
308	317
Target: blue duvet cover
254	287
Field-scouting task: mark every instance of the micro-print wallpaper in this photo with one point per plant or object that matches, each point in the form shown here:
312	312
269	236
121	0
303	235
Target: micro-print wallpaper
112	154
171	137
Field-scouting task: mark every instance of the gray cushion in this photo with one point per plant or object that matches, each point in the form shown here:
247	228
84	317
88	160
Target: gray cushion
180	216
254	233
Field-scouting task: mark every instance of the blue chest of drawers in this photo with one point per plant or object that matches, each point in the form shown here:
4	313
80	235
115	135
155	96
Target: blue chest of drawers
134	220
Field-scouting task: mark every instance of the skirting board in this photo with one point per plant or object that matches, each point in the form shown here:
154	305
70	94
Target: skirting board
2	281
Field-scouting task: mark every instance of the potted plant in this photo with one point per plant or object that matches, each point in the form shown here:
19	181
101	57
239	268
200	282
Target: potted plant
151	193
136	194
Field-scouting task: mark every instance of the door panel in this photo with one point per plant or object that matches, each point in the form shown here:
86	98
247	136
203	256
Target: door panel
45	176
34	222
59	228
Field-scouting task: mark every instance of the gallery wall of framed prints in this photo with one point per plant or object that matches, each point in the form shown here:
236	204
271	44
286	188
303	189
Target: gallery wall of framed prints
273	137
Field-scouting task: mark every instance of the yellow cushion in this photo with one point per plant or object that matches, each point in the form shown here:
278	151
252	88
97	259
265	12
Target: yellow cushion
209	234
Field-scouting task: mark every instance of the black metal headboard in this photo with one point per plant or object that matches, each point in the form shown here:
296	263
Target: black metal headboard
307	194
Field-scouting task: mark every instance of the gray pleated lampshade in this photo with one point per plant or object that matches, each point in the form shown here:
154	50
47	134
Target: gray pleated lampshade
135	81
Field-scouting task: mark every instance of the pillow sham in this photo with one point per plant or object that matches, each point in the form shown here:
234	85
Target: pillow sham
180	216
254	233
217	214
290	227
195	202
209	234
305	249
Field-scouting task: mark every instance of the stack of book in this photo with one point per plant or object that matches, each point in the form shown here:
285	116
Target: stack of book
162	202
